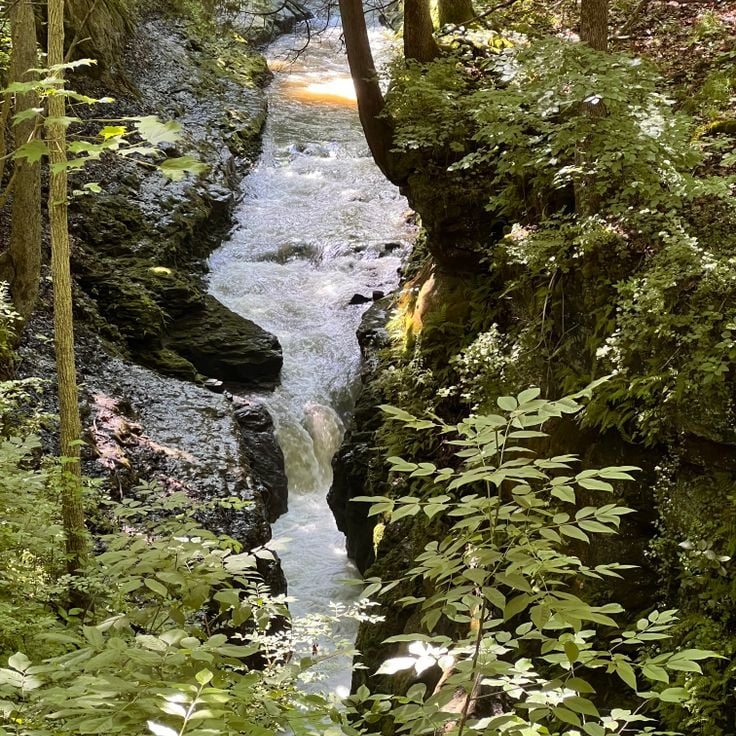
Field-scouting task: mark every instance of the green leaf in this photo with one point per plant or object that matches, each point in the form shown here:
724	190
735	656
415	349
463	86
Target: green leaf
674	695
29	114
516	605
398	414
22	87
176	168
411	509
594	485
173	709
398	465
424	469
203	677
595	527
392	666
564	493
64	121
112	131
155	131
19	662
572	531
655	672
626	672
432	509
507	403
158	729
572	651
594	729
156	587
581	705
528	395
33	151
566	716
695	654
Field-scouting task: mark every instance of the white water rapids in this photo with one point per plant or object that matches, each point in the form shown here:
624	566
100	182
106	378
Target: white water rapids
311	230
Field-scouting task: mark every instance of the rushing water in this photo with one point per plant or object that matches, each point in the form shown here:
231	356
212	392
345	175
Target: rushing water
311	232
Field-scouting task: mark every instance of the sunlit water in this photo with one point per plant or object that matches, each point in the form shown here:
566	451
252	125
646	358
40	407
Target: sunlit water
311	231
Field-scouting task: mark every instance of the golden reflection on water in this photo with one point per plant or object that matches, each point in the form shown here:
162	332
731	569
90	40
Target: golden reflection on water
337	91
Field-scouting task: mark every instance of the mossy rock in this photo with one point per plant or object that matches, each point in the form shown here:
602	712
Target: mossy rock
222	344
169	363
110	224
126	303
176	293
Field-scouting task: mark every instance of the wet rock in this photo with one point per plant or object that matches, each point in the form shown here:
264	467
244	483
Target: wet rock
359	299
264	456
372	334
169	363
295	250
389	248
226	346
377	294
212	384
141	426
140	245
358	465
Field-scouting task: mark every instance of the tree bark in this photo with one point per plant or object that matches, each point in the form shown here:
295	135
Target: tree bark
419	43
594	32
71	429
456	12
24	251
594	23
376	127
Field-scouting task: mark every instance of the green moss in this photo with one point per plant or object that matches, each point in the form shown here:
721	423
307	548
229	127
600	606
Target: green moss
169	363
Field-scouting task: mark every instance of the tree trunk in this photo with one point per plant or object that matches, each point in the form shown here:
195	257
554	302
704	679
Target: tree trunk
71	429
594	32
419	43
24	252
455	12
377	128
594	23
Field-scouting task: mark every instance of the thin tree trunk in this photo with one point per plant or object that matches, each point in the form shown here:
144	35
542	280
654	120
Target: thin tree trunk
25	237
4	117
455	12
71	429
594	23
594	32
376	127
419	43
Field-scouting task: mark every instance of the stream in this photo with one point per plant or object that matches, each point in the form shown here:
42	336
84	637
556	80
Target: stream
311	231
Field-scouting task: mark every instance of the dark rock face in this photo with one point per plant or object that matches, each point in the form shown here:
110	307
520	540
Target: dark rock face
356	464
223	345
264	456
139	261
140	245
144	427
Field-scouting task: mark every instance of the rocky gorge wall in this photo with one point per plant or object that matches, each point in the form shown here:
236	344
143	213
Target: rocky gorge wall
148	335
141	243
450	349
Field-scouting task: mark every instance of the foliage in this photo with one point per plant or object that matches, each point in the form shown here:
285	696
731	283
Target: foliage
528	654
694	552
111	138
641	289
182	636
8	322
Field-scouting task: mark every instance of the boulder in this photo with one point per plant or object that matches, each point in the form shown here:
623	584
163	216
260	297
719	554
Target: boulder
263	455
221	344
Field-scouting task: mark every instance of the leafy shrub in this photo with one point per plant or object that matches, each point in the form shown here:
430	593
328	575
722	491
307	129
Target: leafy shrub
528	654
